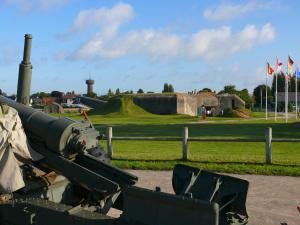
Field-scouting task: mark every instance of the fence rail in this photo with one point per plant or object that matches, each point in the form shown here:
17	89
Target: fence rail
185	139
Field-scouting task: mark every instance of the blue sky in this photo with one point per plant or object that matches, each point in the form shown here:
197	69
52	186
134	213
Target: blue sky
131	44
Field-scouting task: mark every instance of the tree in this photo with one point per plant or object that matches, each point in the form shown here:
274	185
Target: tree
117	91
244	94
260	92
230	89
92	95
140	91
40	95
110	93
166	88
205	90
171	88
57	94
280	83
2	93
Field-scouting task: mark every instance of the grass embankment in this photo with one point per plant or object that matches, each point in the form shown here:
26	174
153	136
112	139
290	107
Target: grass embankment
130	120
122	110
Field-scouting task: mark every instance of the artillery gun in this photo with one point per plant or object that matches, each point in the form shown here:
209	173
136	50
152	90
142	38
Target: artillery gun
75	184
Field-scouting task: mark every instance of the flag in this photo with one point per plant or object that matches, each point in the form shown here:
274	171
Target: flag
278	65
288	77
270	70
297	73
290	64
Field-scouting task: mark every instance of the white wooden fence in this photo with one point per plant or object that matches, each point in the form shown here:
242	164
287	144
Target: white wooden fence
267	139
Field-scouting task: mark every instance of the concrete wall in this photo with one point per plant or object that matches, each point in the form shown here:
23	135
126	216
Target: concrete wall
186	104
230	101
207	99
91	102
157	103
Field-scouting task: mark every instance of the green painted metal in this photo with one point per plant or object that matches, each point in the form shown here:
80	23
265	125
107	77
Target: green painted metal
25	73
43	212
71	148
142	206
61	135
230	193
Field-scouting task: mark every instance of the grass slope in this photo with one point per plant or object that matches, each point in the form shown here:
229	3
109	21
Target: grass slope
122	110
121	106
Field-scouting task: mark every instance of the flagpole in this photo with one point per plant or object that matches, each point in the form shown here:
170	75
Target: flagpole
296	97
266	96
276	75
286	96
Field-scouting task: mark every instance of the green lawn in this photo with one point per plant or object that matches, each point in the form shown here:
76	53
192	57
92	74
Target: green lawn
218	156
129	120
222	157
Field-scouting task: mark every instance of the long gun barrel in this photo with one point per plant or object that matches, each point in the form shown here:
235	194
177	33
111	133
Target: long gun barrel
25	73
67	146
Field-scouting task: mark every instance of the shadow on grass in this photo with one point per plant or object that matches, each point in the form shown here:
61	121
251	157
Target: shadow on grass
246	130
204	162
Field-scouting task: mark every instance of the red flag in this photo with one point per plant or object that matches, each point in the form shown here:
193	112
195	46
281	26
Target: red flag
290	63
278	65
270	70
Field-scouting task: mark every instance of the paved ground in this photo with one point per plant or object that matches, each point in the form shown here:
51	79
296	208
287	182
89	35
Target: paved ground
271	199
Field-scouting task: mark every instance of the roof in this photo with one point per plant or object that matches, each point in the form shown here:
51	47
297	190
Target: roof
68	96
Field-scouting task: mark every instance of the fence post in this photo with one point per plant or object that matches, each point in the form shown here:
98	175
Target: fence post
185	143
268	136
109	142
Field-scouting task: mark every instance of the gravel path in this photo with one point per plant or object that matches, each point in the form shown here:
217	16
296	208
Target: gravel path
271	199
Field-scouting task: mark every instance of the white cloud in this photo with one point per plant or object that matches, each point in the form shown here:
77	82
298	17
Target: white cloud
150	42
216	43
107	19
26	6
207	44
230	11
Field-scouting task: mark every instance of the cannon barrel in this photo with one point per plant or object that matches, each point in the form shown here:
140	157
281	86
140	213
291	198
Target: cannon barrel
56	133
25	73
67	147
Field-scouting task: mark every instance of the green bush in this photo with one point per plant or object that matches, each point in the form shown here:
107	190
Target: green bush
228	112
